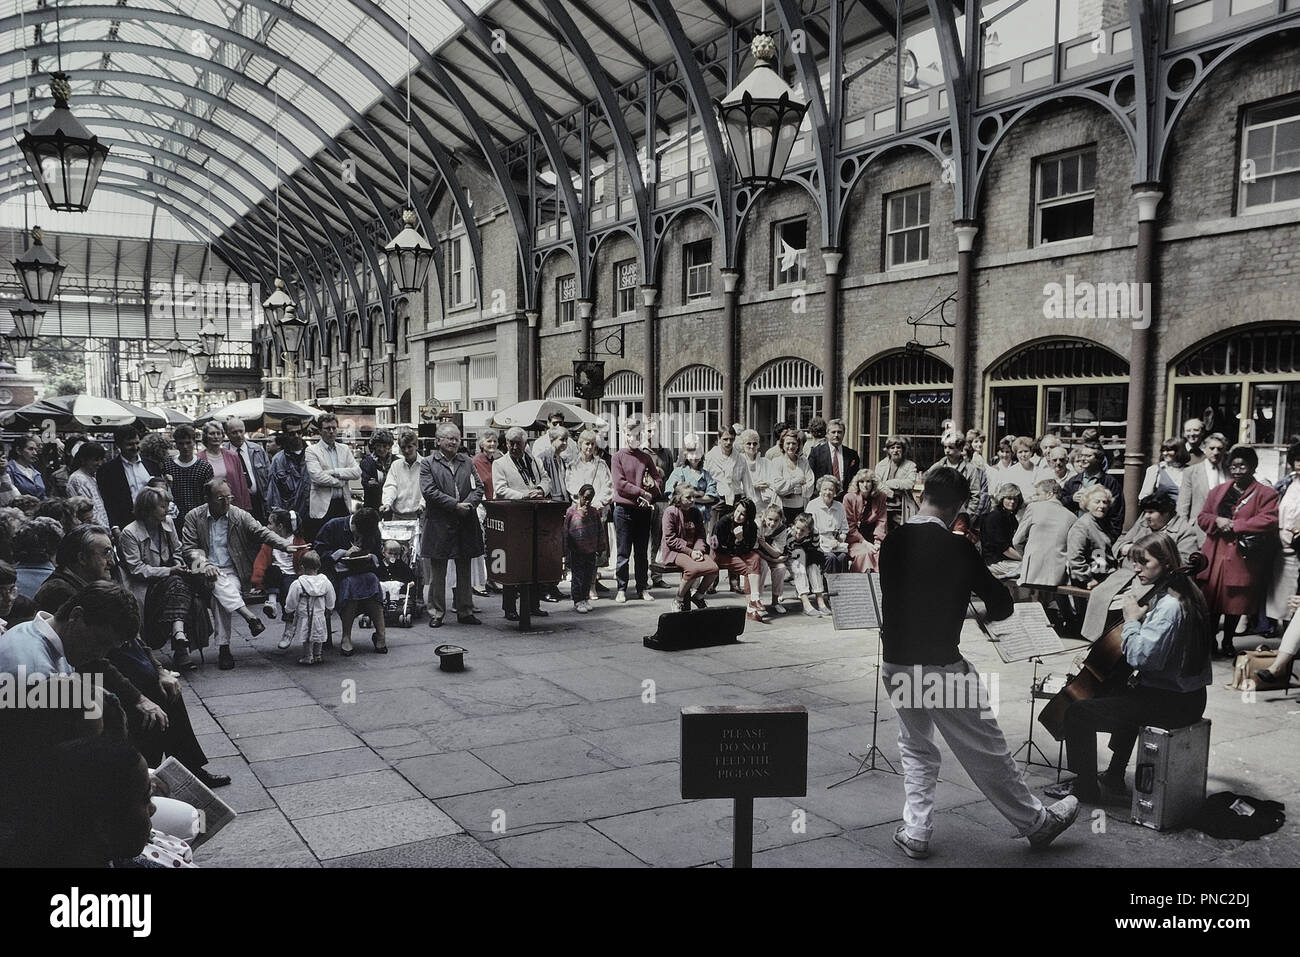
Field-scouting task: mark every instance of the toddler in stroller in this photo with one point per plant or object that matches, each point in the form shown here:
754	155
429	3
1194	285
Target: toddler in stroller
403	602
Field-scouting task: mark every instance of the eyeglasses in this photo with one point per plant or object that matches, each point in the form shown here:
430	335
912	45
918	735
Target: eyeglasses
223	498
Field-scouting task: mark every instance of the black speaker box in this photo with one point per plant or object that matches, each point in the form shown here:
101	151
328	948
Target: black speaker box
703	628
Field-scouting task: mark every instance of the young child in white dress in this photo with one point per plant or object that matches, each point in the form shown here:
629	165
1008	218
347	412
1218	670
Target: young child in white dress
310	601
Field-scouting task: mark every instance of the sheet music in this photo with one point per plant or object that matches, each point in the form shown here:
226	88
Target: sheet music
855	600
1026	634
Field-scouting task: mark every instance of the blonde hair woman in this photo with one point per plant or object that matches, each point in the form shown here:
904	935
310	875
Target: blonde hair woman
866	507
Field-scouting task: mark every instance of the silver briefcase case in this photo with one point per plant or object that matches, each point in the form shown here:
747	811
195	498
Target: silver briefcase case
1169	786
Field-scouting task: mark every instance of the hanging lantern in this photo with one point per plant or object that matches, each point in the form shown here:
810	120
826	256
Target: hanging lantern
292	327
210	336
761	118
64	157
409	256
39	270
177	352
202	360
276	303
27	319
153	375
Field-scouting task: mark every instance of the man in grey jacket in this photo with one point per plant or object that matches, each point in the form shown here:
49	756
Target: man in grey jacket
221	541
452	492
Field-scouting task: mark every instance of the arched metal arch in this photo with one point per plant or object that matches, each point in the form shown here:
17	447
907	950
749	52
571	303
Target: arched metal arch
257	124
823	143
664	221
441	160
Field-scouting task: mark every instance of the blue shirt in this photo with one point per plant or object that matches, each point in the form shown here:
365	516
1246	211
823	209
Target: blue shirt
34	646
219	540
1155	645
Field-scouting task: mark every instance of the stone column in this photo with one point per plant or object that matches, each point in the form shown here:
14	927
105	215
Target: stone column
534	384
961	355
1136	446
650	299
464	383
831	335
730	343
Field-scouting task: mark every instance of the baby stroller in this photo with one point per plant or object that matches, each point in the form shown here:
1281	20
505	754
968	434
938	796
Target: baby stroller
404	593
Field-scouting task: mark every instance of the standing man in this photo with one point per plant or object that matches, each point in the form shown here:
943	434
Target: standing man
954	457
555	459
922	619
725	464
255	463
452	491
1193	434
221	541
666	461
330	466
288	486
121	480
834	458
1200	479
518	475
638	482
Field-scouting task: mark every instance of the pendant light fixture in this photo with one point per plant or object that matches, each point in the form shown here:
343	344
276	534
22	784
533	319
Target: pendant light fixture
275	304
409	253
39	270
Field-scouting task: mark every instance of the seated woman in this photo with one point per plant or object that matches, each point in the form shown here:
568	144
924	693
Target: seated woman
735	539
352	552
831	524
34	547
772	536
805	559
169	595
998	531
1168	640
866	507
1088	545
690	470
683	545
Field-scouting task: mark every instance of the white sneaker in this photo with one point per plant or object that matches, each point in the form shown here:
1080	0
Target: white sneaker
582	608
1059	816
679	605
620	597
646	596
916	850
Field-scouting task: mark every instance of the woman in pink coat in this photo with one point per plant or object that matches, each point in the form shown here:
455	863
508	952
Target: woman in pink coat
1239	514
865	506
226	465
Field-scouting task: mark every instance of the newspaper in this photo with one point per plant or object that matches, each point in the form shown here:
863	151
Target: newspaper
214	813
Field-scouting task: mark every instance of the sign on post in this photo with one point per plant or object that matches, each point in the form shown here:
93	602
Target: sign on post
744	753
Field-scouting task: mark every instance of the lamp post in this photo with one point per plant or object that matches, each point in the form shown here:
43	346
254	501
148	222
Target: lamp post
291	329
761	118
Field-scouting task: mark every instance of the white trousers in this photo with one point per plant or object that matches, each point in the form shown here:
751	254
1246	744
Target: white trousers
227	598
976	740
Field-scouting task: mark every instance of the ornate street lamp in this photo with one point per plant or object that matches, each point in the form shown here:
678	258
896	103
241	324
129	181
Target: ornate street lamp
275	305
761	118
63	155
210	336
39	270
177	352
292	328
27	325
153	375
409	256
202	360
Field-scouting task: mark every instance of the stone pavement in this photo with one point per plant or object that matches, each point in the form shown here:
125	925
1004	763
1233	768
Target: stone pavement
550	750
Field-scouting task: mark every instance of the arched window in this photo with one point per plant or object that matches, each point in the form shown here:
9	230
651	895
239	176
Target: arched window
1066	386
561	388
462	280
693	401
624	397
1244	383
901	394
784	390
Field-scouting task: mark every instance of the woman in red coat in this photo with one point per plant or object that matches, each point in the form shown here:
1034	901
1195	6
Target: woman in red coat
1236	513
865	506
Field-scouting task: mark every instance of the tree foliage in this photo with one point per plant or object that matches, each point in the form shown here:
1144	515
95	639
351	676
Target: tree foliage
63	363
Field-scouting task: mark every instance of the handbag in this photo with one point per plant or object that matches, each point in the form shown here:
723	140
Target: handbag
1244	669
1251	546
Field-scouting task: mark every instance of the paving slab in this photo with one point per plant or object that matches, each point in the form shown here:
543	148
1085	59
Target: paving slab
456	850
454	772
244	792
572	845
256	723
244	703
288	744
216	745
393	708
256	839
316	767
368	829
488	730
506	694
545	760
346	793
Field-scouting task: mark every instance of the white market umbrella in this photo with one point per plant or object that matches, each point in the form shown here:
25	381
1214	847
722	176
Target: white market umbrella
255	411
534	413
77	412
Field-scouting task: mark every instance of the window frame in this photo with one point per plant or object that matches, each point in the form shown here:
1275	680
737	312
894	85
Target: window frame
1088	195
1291	103
691	268
620	291
566	310
801	267
922	228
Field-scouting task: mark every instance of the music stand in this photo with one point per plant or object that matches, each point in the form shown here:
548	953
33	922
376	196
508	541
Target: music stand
857	605
1029	746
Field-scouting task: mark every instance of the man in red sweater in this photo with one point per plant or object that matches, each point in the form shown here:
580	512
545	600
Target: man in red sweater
638	482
